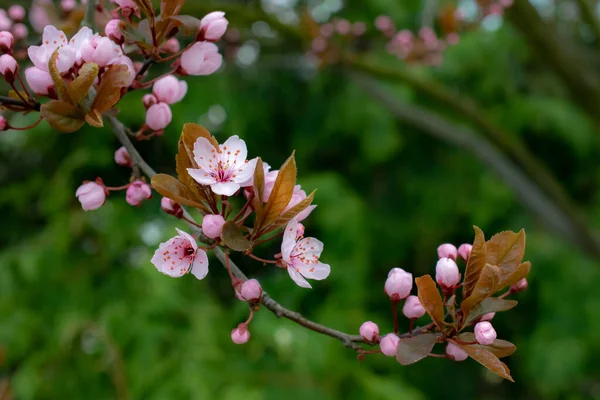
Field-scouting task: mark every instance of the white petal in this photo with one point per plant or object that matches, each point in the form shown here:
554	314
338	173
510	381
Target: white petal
200	265
235	150
53	37
188	237
84	34
205	154
201	176
289	240
300	281
158	257
39	56
225	188
318	271
246	171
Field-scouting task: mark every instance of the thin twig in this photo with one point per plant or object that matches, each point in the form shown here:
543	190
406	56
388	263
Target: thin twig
90	15
9	101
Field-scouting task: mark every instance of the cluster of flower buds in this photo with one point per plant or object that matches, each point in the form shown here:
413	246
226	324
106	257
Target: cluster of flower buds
338	28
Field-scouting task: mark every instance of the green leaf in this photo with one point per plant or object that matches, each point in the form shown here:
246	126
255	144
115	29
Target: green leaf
413	349
62	115
79	88
59	83
476	262
234	237
491	304
430	298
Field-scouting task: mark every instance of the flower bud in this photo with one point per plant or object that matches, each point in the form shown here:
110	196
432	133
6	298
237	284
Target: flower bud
212	225
67	5
171	207
464	251
413	308
16	12
20	31
137	192
202	58
446	273
519	286
388	344
112	31
398	284
359	28
158	116
240	335
8	67
384	24
149	100
213	26
39	81
343	26
369	331
488	316
251	290
447	250
91	195
485	333
122	157
3	123
169	89
171	46
455	352
6	41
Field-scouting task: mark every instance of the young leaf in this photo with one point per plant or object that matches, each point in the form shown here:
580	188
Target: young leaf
168	8
171	188
488	360
146	7
182	163
79	88
109	91
191	25
94	119
259	179
62	115
190	133
485	287
519	273
413	349
290	214
280	196
167	27
500	348
506	250
59	83
430	298
491	304
234	238
476	262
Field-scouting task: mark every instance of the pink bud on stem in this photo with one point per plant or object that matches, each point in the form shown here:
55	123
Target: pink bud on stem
171	207
241	334
455	352
369	331
251	290
464	251
212	225
388	344
137	192
122	157
447	250
485	333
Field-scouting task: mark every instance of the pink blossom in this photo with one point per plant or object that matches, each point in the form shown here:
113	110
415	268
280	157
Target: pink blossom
301	256
171	46
6	41
326	30
3	123
388	344
5	21
169	89
251	290
413	308
359	28
52	38
100	50
519	286
240	335
212	225
171	207
446	273
122	157
343	26
213	26
178	254
488	316
452	38
137	192
67	5
158	116
464	251
127	8
149	100
16	12
8	67
91	195
20	31
297	197
38	16
318	45
39	81
485	333
398	284
447	250
225	168
202	58
429	37
384	24
112	31
126	61
455	352
369	331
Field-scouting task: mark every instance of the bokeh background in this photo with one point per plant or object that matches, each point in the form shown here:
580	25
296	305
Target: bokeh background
84	315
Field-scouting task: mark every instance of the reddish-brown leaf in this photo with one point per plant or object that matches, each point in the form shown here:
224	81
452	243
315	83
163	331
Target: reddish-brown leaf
519	273
500	348
485	287
488	360
62	115
290	214
506	250
491	304
59	83
182	163
94	119
476	262
190	133
146	7
79	88
171	188
109	91
169	8
430	298
234	237
166	28
191	25
413	349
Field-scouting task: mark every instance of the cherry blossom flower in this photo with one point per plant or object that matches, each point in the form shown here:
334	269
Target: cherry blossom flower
301	256
213	25
169	89
180	255
202	58
69	51
100	50
225	168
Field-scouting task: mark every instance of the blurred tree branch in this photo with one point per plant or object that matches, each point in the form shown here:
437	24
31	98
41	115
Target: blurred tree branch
587	13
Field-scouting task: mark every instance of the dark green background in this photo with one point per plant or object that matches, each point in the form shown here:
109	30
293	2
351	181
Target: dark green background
83	313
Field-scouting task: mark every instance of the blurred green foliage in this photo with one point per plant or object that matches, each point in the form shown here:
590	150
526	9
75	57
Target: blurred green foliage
85	315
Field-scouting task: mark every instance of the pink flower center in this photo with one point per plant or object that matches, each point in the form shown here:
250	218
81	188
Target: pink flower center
226	166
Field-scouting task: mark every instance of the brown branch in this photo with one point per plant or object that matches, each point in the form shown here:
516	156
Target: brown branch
9	101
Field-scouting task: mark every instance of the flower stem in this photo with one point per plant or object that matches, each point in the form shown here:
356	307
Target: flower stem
395	314
262	260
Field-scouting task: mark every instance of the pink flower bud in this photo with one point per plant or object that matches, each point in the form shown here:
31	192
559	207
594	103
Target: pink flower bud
122	157
413	308
212	225
384	24
8	67
318	45
16	12
202	58
213	26
388	344
447	250
343	26
67	5
158	116
20	31
369	331
171	207
359	28
6	41
464	251
456	352
171	46
39	81
169	89
519	286
398	284
251	290
112	31
149	100
326	30
5	22
446	273
91	195
485	333
100	50
488	316
3	123
240	335
137	192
